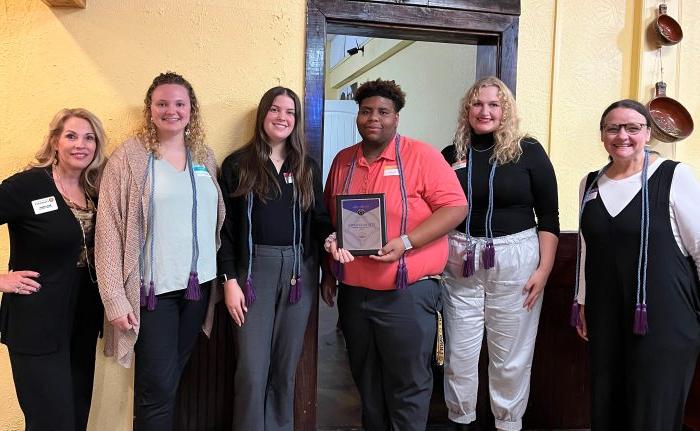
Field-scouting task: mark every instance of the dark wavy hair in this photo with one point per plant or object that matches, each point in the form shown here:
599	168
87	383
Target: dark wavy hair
254	173
627	104
386	89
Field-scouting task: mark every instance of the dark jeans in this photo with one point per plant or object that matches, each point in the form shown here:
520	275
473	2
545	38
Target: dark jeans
167	336
390	336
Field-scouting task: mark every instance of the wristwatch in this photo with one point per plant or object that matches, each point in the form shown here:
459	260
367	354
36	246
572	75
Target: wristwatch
406	243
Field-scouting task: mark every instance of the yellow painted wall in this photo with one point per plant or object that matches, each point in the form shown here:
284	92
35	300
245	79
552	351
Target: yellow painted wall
575	58
103	58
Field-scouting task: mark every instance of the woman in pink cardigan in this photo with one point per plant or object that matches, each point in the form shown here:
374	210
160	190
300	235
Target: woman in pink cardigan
156	240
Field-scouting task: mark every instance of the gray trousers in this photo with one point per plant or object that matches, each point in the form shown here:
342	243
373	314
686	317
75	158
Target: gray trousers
390	336
490	300
269	343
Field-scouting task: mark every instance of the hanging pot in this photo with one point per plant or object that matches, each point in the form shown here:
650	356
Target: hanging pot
668	31
671	121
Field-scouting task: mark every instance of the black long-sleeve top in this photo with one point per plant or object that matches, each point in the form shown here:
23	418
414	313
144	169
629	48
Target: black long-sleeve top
49	242
522	189
272	221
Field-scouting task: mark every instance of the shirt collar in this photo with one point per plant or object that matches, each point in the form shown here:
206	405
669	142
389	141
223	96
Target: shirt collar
389	153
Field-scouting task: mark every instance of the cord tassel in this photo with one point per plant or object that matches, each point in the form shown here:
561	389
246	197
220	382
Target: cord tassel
151	300
338	270
575	319
193	292
249	292
641	325
469	267
489	255
295	290
402	275
143	293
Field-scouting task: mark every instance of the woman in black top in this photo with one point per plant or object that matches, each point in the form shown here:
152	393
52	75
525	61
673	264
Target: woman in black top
500	257
640	249
269	257
51	312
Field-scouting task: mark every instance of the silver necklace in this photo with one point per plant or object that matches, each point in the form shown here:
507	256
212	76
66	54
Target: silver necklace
484	150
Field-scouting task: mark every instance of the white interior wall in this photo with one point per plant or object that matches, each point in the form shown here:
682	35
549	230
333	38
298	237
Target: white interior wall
434	77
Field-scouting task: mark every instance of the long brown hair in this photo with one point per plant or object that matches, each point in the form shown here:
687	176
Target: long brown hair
194	132
46	156
254	173
506	137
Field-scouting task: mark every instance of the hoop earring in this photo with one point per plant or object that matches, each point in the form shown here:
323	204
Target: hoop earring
55	158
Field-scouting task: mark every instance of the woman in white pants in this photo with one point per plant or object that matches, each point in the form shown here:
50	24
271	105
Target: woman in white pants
500	257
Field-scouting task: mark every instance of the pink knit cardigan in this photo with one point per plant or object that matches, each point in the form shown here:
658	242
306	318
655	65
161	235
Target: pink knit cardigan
123	197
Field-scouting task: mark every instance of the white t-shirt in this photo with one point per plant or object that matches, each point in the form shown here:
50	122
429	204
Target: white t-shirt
173	227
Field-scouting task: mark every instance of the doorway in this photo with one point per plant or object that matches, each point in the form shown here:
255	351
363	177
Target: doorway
434	77
488	29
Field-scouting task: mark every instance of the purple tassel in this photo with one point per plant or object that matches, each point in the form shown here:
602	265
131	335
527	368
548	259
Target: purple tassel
193	293
575	319
151	300
295	290
641	325
468	268
338	270
143	293
402	275
489	256
249	292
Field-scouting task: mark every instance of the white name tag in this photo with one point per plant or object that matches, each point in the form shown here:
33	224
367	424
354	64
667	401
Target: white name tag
201	171
390	171
44	205
459	165
590	196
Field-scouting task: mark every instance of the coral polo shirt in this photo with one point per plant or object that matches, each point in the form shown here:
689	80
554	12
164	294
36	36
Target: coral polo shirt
430	184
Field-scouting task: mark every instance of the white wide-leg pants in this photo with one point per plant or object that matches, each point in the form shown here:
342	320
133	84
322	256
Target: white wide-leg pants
491	299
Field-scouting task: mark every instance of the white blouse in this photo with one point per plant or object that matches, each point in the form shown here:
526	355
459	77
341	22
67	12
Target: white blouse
684	209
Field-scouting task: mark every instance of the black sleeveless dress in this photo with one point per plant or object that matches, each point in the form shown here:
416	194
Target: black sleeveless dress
639	382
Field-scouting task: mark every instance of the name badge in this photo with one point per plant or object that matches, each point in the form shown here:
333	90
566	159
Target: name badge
390	171
459	165
200	171
590	196
44	205
288	178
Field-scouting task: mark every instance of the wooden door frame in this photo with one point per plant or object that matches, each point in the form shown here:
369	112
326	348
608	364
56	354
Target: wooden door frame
492	27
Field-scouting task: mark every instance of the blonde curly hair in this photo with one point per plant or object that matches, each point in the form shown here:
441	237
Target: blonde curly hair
194	131
47	155
507	136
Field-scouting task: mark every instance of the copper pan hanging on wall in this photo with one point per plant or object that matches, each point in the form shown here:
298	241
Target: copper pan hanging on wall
668	31
671	121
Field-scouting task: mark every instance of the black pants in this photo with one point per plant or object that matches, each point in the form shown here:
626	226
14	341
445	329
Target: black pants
390	336
55	390
167	336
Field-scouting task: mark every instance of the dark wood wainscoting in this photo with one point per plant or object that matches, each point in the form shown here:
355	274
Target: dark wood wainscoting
559	396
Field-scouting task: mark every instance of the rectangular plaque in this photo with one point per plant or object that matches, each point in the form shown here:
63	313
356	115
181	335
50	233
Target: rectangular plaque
361	223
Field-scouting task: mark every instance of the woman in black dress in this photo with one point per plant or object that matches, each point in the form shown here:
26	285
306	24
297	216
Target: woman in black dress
640	246
51	312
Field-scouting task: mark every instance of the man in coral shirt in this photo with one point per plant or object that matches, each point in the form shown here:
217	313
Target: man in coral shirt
388	302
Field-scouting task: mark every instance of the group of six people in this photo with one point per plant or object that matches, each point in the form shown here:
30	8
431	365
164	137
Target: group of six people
472	231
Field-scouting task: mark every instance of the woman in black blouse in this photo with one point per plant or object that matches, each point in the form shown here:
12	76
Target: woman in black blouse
51	312
275	224
500	257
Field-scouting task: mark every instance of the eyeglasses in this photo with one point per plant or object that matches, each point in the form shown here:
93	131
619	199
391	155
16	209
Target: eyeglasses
630	128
